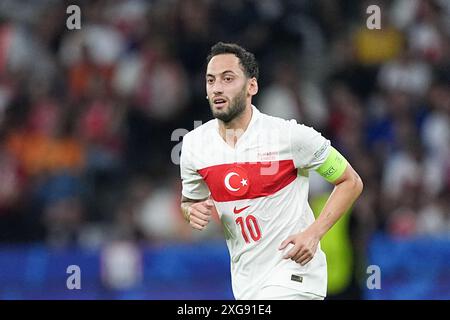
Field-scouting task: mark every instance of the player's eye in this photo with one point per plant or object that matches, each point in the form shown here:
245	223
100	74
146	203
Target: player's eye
210	80
228	79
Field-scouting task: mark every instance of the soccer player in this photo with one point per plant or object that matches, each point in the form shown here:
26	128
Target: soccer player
254	169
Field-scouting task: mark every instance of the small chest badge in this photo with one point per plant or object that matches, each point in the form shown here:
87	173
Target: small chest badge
296	277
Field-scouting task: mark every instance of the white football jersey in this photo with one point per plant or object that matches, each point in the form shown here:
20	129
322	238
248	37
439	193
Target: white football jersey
260	189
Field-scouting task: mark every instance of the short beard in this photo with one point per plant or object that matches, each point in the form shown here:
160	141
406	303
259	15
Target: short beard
236	108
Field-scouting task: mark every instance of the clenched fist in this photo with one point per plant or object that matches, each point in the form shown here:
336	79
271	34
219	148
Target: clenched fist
199	214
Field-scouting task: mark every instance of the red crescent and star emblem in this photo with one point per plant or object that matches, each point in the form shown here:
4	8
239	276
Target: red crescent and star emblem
236	181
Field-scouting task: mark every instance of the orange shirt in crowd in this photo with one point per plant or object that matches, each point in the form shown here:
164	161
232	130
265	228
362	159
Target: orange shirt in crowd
38	153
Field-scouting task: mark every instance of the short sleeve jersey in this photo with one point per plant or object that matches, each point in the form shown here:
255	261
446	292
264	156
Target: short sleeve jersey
260	189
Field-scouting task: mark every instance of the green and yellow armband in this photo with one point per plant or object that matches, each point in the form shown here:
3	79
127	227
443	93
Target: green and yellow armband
333	167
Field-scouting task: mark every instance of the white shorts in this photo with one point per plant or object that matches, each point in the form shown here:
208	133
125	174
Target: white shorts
284	293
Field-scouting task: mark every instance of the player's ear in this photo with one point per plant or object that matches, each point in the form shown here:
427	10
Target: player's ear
253	86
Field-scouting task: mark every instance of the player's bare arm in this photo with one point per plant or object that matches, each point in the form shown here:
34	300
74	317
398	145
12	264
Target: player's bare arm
197	212
348	187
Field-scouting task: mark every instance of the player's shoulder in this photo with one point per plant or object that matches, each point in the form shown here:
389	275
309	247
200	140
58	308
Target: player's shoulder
288	127
276	122
201	132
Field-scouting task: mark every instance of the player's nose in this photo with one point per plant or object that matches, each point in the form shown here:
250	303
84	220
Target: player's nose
217	88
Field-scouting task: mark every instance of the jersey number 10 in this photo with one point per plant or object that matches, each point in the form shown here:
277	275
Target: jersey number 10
251	224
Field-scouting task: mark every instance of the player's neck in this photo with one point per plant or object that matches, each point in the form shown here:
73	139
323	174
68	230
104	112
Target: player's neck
233	130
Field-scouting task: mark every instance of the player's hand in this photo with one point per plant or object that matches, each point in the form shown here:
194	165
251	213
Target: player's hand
305	246
200	214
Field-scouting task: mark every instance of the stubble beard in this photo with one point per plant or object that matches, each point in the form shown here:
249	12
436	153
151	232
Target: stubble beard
235	109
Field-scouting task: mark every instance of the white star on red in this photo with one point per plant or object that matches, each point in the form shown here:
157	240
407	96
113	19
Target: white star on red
244	182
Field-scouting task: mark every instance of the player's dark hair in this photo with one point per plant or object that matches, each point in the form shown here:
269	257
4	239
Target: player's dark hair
246	59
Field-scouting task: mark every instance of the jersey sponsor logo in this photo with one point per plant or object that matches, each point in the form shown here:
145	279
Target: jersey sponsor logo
237	211
296	277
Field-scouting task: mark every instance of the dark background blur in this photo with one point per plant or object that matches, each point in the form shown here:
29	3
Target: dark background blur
87	175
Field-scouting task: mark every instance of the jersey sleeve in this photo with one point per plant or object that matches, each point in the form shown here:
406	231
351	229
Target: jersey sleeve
308	147
193	185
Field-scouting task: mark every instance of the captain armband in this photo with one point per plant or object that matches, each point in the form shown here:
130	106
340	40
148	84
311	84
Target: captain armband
333	167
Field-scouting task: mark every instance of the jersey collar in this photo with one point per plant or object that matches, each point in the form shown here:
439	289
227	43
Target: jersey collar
255	115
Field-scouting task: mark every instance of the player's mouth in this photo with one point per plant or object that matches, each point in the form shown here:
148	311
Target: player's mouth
219	103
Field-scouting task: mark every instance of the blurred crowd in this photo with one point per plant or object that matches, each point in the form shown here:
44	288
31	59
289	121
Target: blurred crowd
87	116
